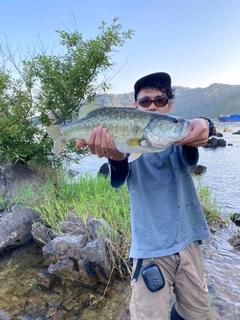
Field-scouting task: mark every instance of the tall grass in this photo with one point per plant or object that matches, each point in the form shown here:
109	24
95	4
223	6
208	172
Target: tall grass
88	196
92	196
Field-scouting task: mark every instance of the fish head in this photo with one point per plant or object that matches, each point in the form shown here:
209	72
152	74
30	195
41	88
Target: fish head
164	130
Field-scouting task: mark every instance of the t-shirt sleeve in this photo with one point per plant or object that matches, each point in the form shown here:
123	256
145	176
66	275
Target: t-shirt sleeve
190	155
118	172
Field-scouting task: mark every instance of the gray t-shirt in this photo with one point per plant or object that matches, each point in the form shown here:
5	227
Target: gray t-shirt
166	215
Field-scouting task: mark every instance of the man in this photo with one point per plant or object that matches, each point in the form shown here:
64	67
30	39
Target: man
167	221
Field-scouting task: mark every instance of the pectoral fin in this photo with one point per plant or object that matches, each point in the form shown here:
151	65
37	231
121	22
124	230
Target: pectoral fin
136	142
134	156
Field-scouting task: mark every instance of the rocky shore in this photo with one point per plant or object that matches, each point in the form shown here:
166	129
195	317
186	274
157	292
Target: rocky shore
78	263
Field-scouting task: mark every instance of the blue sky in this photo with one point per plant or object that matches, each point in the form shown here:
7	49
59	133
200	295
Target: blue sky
196	42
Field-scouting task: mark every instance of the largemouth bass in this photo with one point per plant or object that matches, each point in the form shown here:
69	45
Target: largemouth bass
133	131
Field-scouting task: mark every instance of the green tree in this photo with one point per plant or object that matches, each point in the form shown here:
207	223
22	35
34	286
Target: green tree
53	87
20	140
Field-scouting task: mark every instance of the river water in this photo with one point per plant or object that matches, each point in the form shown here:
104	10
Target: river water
22	299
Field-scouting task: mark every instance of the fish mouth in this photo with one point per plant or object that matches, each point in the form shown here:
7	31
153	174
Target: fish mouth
183	130
186	126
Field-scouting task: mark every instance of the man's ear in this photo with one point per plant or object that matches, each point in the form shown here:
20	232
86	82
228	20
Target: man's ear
170	106
135	105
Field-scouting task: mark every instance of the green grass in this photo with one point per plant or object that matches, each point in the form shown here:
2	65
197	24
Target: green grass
209	204
88	196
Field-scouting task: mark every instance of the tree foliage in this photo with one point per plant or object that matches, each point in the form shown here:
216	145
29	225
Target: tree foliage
53	87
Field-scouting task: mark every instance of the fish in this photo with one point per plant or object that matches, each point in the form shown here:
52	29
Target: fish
133	131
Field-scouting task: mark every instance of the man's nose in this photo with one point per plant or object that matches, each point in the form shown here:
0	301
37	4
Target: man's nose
152	107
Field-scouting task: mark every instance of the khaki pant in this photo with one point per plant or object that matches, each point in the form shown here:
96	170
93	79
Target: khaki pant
182	271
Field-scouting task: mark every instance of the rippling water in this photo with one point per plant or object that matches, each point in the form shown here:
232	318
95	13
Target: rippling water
223	169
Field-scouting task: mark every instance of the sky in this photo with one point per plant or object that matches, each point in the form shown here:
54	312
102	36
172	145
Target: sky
196	41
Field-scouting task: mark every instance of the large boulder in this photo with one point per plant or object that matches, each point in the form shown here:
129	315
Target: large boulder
15	177
16	220
15	227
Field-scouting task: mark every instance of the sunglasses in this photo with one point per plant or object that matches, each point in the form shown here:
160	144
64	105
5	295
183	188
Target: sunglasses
159	102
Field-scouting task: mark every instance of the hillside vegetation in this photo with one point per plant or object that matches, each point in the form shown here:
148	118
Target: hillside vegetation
189	103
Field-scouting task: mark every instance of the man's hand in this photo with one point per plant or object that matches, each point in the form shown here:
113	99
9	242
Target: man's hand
100	143
199	133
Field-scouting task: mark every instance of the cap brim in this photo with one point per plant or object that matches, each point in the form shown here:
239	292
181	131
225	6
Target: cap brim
159	77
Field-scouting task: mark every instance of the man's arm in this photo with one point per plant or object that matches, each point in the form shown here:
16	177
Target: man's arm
119	171
199	133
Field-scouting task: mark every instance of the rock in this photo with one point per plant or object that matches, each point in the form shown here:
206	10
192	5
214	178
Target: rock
219	135
45	280
227	130
42	234
198	169
235	241
100	228
16	222
14	177
214	142
86	272
73	225
99	254
221	143
16	226
236	219
89	262
237	132
72	173
63	247
66	268
104	170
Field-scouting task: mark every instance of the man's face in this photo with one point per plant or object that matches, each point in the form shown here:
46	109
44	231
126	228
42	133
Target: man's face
152	94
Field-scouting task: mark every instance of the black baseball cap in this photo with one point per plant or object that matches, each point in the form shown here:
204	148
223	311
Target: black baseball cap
152	79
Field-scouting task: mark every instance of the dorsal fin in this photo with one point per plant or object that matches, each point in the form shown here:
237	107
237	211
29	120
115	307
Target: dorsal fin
85	110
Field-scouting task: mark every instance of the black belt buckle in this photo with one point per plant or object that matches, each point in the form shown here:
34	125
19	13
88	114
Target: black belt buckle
153	277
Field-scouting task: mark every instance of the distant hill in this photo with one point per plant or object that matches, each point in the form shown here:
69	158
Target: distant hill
190	103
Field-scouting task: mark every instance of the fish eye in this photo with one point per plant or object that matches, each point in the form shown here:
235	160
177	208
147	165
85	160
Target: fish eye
175	120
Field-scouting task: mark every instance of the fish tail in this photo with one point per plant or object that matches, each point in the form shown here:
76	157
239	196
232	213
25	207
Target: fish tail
54	133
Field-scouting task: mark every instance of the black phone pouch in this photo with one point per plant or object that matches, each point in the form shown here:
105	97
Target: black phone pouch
153	277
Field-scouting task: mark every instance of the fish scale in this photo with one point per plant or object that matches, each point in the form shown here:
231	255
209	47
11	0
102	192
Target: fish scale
133	131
